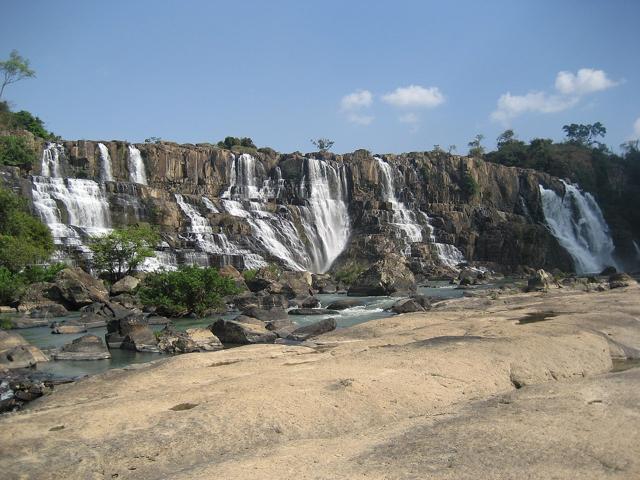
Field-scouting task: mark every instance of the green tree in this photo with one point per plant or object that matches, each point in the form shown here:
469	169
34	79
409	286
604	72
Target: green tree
187	290
582	134
24	239
475	147
322	144
121	251
505	138
14	70
27	121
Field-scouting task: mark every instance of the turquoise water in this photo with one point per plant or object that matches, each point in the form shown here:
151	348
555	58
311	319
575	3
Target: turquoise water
373	308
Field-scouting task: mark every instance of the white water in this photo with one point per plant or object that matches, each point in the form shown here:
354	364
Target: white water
137	173
105	163
635	245
201	233
51	160
325	219
579	226
405	221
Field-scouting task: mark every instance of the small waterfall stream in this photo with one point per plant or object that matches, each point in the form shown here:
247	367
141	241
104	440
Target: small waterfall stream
137	172
405	221
576	220
105	163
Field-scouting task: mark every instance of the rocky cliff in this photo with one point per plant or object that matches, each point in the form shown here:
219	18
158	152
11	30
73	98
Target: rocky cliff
313	212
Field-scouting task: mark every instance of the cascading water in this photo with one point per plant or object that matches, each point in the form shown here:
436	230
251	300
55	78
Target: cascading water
325	219
405	220
51	160
202	234
576	221
137	173
105	163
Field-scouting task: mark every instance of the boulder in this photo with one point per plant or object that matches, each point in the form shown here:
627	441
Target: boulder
241	333
9	340
323	283
313	330
68	329
231	272
77	288
126	284
21	356
607	271
87	347
48	311
388	276
620	280
541	281
171	340
469	276
131	332
345	303
407	305
126	300
282	327
306	302
312	311
265	315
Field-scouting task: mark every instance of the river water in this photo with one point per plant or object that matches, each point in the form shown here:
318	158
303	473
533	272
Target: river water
373	308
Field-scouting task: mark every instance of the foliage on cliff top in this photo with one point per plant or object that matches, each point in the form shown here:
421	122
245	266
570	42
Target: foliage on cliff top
23	120
24	239
187	290
120	252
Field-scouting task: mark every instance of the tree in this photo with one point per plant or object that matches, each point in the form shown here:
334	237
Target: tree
230	142
452	148
630	146
120	252
585	135
505	138
475	148
323	144
153	140
14	70
16	151
24	239
187	290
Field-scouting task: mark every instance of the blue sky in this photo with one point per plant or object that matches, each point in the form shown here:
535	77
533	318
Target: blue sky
387	76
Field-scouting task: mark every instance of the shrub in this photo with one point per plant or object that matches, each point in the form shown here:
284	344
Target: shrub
469	184
249	275
16	151
186	290
347	275
39	273
11	286
26	121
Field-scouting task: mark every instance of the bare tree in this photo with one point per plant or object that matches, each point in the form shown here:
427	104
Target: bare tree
14	70
322	144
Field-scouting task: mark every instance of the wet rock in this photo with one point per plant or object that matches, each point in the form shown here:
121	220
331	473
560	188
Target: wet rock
313	330
77	288
241	333
620	280
323	283
171	340
131	332
306	302
64	329
49	311
265	315
541	281
312	311
388	276
345	303
87	347
126	284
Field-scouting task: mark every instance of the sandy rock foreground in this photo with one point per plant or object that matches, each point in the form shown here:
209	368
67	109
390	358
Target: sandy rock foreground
463	391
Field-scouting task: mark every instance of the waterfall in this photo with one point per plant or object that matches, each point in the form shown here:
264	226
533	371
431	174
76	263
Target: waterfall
201	233
637	247
137	173
51	156
325	219
405	221
576	221
70	207
105	163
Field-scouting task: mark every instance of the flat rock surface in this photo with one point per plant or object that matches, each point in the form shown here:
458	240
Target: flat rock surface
424	395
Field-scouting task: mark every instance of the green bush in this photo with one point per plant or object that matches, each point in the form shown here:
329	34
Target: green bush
11	286
42	273
249	275
5	324
469	184
186	290
24	239
347	275
26	121
16	151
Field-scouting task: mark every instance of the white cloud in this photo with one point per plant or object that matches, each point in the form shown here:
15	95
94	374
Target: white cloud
570	88
585	81
510	106
636	129
411	118
356	100
359	119
414	96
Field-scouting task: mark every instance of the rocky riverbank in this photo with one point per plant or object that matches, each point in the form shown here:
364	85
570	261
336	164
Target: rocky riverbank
512	385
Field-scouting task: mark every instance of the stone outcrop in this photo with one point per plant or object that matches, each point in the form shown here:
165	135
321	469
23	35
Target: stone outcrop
541	281
131	332
76	288
126	284
242	331
191	340
313	330
385	277
87	347
16	352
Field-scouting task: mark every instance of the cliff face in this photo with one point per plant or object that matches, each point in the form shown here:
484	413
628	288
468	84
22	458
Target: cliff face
215	206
